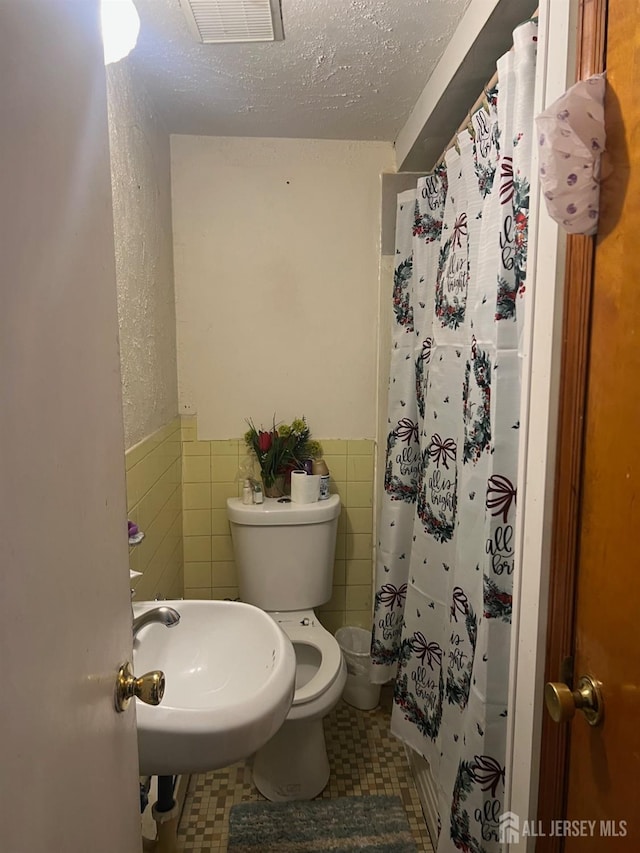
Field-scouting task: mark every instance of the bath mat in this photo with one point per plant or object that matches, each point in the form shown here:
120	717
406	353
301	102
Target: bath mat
340	825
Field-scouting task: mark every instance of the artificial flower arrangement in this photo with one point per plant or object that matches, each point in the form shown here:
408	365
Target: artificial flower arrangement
282	449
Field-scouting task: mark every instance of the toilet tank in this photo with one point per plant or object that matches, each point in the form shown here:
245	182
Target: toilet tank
284	552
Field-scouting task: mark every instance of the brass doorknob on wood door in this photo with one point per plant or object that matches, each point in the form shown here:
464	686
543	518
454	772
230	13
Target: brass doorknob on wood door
562	702
149	688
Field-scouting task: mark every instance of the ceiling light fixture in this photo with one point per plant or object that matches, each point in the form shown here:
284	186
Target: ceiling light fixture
120	27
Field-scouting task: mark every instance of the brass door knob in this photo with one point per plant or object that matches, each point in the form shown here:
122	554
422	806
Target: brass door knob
562	702
149	688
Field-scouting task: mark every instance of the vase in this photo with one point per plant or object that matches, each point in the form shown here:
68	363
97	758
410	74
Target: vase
276	489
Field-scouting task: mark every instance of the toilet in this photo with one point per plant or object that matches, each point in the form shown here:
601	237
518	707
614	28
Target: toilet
284	555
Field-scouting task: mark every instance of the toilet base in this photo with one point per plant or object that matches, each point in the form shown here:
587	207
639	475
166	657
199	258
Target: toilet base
293	765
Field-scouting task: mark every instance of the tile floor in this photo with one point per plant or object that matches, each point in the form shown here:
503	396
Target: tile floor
364	757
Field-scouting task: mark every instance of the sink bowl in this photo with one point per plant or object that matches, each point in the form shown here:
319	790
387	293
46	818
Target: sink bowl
230	678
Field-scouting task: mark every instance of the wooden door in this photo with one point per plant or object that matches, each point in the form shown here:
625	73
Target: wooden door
68	761
600	780
604	769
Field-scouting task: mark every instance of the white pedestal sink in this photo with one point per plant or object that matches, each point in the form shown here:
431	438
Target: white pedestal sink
230	678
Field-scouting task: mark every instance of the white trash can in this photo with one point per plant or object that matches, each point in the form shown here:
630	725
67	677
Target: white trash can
359	691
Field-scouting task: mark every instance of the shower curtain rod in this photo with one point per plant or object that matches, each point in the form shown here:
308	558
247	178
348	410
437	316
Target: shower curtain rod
481	100
466	124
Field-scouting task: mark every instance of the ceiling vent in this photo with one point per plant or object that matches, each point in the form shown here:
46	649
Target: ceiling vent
220	21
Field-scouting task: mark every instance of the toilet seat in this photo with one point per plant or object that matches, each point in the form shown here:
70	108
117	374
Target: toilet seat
330	660
294	764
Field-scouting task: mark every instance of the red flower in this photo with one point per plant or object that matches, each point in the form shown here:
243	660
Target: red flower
264	441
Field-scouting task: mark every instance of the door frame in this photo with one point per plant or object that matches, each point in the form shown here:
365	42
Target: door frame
563	574
570	46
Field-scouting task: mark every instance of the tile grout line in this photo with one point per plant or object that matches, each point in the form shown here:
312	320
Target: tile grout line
365	759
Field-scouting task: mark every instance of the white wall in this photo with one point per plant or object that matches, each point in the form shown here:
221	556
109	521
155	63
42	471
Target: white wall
277	252
140	172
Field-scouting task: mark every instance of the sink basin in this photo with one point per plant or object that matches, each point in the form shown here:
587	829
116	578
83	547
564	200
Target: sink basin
230	678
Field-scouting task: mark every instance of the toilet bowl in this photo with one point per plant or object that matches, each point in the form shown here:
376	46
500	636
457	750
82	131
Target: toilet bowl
293	765
284	554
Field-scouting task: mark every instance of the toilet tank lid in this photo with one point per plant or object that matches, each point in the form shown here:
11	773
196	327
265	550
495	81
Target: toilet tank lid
271	512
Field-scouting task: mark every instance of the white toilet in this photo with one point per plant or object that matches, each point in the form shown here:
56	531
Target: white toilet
284	555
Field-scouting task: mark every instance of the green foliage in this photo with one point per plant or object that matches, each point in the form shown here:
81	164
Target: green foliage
284	446
497	602
401	298
397	489
477	424
426	720
460	828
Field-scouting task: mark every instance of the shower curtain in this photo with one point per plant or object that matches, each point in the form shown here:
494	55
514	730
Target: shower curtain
445	558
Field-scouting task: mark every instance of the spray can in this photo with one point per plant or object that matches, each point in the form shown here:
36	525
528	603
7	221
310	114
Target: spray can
320	467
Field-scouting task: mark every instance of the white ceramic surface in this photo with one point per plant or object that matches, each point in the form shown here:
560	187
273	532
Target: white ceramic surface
230	678
284	552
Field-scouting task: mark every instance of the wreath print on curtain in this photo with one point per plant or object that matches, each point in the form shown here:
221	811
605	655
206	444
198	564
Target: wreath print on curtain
444	579
401	295
514	195
419	216
437	495
476	398
422	704
483	774
429	207
498	584
422	362
453	276
402	456
486	142
464	649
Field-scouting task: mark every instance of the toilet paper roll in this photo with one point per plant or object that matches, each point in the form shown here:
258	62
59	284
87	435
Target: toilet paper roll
305	488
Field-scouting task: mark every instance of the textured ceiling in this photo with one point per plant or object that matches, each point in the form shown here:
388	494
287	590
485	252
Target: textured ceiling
347	69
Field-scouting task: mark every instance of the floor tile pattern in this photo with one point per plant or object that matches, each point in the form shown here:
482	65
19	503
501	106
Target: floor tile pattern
364	757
